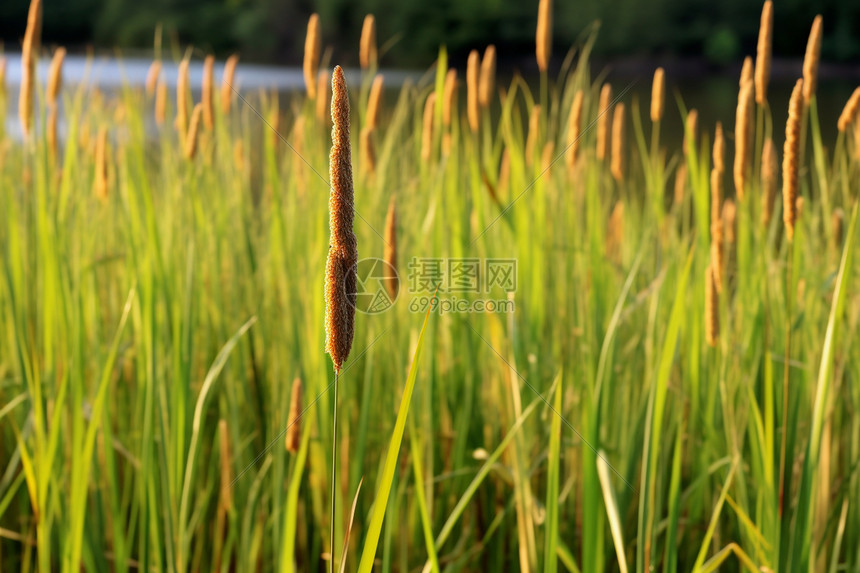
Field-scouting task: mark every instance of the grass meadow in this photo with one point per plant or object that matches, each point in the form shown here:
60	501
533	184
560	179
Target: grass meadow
675	390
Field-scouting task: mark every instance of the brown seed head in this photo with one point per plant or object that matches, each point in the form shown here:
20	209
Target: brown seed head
658	95
374	102
450	94
29	55
472	109
604	121
55	77
729	216
791	159
811	60
322	101
849	112
313	47
294	426
207	97
367	49
618	165
152	76
719	152
427	133
100	180
763	53
340	285
691	126
504	171
182	84
574	129
746	72
488	76
769	174
743	136
546	158
190	148
716	195
161	102
543	36
712	319
391	280
680	183
228	80
368	153
52	133
224	449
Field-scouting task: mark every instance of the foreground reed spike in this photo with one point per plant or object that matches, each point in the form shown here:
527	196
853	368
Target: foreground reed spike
227	82
190	147
313	47
849	112
763	53
391	280
574	129
367	49
746	72
658	97
690	128
374	101
743	136
712	319
791	159
161	102
543	35
340	284
427	132
294	426
487	78
100	179
811	60
152	76
55	77
29	55
472	106
769	166
182	84
206	92
604	121
618	166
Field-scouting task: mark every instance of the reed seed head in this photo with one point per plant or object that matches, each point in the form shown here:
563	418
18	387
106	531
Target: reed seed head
182	84
763	53
367	49
543	35
472	108
207	97
747	73
849	112
691	126
504	171
791	159
719	153
55	76
374	102
487	79
152	76
658	95
161	102
574	128
546	157
294	426
729	216
427	133
618	166
190	148
391	281
29	55
313	47
680	183
52	132
743	136
100	180
769	175
228	80
449	96
604	121
811	60
712	319
341	279
322	101
716	195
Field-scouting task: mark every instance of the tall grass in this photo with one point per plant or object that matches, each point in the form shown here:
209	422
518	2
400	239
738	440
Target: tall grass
156	304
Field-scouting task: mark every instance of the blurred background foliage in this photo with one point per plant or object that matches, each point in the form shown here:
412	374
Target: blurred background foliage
273	30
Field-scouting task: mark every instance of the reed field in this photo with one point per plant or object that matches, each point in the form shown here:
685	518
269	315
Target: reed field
671	385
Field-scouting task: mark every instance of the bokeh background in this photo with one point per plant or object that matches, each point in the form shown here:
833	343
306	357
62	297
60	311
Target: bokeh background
714	33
